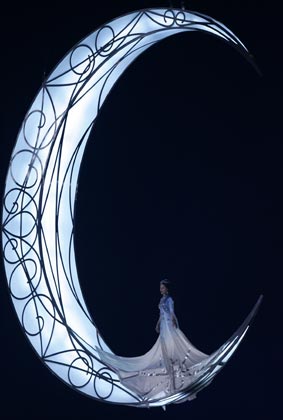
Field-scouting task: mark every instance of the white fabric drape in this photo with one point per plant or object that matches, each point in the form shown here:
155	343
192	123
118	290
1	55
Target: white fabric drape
168	367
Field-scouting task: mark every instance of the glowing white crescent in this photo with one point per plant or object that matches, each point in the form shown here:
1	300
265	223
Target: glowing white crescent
38	207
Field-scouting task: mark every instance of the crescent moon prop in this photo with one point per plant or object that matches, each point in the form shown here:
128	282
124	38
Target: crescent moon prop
39	199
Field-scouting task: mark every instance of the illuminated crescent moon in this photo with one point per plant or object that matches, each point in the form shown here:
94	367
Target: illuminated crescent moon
38	206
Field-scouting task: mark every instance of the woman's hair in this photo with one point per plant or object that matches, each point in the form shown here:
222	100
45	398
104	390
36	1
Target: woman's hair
166	283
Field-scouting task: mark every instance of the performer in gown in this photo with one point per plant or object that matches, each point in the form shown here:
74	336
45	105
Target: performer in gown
169	366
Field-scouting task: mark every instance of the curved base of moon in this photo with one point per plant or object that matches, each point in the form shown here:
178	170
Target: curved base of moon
201	374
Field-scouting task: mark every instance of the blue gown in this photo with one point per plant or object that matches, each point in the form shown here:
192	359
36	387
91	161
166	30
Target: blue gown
168	367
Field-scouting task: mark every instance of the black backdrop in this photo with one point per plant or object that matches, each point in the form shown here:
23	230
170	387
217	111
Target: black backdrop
181	179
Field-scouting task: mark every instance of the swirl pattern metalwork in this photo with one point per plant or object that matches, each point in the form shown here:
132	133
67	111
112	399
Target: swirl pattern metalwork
39	200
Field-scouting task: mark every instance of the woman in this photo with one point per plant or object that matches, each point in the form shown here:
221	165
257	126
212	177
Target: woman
169	366
166	305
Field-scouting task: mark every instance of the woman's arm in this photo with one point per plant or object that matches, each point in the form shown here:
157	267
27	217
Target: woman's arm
172	313
157	328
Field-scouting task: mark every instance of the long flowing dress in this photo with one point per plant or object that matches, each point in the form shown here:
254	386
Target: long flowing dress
168	367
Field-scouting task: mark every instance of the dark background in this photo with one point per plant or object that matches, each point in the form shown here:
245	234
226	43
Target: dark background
182	178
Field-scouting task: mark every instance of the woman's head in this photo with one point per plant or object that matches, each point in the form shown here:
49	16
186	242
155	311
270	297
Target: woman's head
164	287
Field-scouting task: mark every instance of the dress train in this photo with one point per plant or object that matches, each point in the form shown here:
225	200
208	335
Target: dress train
168	367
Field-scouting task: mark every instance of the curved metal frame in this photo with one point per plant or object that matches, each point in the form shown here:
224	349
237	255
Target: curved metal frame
39	200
